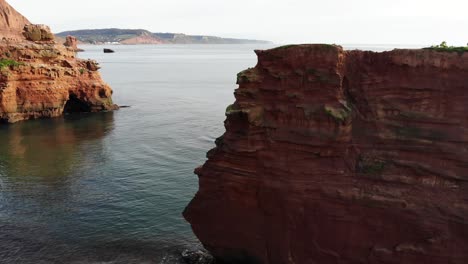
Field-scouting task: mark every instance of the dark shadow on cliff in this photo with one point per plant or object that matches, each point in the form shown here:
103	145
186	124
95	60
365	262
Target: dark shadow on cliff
75	105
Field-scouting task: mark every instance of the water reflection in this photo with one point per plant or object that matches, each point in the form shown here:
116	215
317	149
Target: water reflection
62	199
94	190
50	149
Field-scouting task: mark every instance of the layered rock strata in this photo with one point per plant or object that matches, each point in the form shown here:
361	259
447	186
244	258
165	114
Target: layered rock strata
40	78
334	156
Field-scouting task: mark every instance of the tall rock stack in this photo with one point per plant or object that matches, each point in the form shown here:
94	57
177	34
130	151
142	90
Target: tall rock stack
334	156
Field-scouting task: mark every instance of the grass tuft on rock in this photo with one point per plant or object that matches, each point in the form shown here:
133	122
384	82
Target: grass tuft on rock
6	63
233	108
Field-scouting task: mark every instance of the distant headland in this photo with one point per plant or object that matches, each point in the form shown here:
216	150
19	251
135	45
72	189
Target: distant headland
141	36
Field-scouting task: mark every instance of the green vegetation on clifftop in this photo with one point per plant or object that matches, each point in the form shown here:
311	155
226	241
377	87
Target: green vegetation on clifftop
446	48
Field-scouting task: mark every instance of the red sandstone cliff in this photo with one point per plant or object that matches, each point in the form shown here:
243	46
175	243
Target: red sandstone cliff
40	78
335	156
11	22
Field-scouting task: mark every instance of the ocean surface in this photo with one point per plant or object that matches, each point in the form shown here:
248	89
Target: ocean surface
111	187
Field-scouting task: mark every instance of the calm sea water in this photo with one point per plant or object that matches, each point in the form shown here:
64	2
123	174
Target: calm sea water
111	187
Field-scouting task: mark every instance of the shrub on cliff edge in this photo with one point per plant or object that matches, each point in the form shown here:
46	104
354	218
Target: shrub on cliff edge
446	48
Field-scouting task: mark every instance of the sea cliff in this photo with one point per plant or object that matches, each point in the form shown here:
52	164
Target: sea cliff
334	156
40	78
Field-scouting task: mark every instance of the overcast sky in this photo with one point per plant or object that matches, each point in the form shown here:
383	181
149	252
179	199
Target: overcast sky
285	21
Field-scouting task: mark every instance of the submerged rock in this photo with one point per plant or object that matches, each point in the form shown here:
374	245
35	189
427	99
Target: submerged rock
197	257
334	156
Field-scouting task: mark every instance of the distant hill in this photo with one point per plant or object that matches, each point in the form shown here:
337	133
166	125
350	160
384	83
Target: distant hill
141	36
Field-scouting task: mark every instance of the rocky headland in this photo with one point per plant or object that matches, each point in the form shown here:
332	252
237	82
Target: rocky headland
40	78
141	36
334	156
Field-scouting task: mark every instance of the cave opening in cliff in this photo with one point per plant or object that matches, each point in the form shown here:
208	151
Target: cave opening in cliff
75	105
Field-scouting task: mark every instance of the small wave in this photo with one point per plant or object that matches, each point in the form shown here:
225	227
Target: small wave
18	248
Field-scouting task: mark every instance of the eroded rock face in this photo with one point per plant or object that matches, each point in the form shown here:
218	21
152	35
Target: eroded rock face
39	78
335	156
38	33
11	22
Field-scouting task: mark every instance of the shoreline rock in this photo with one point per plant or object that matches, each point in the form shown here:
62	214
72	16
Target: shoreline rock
72	42
41	79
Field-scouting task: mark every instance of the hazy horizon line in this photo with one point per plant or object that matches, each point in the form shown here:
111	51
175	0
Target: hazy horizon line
248	38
